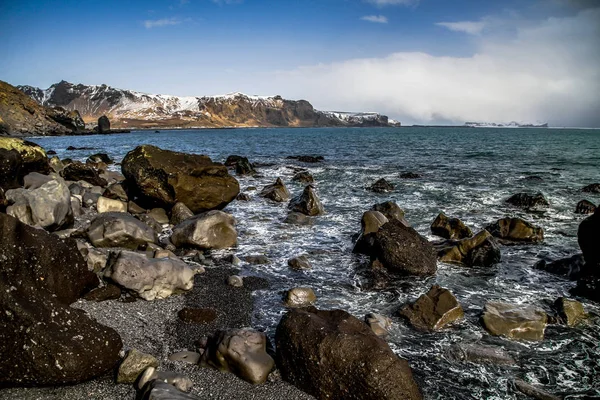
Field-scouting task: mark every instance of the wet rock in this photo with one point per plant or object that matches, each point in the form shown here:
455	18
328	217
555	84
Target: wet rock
370	222
450	228
103	124
533	391
307	159
379	324
197	315
569	267
382	186
18	158
514	321
179	213
134	364
307	203
189	357
297	218
585	207
479	354
257	259
150	278
119	230
359	365
173	379
104	293
209	230
133	208
108	205
515	231
235	281
588	237
99	158
433	310
527	201
304	177
242	352
233	159
116	191
276	191
410	175
78	171
588	287
391	211
401	250
48	206
571	312
161	178
299	263
244	167
300	297
592	188
244	197
481	250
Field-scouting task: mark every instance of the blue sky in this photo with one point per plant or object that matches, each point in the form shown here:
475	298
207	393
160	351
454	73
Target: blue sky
300	48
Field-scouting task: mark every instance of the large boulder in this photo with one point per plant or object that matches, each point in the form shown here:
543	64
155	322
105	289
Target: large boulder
391	211
481	250
370	222
528	201
18	158
515	231
276	191
333	355
433	310
113	229
48	206
161	178
402	250
42	340
450	228
240	351
210	230
150	278
515	321
307	203
588	236
103	124
78	171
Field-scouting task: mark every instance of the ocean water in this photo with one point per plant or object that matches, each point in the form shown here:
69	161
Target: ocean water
466	173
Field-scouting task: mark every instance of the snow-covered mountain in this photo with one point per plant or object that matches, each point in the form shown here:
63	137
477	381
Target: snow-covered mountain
511	124
130	109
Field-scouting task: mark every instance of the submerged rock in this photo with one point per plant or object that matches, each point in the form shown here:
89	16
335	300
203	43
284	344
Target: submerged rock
592	188
585	207
333	355
113	229
307	203
300	297
276	192
410	175
297	218
304	177
381	186
307	159
569	267
515	321
528	201
515	231
479	354
433	310
481	250
533	391
299	263
450	228
209	230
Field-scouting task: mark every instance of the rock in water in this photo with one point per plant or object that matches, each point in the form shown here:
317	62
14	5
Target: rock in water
391	211
209	230
433	310
527	201
379	324
592	188
48	206
114	229
103	124
333	355
588	236
18	158
161	178
150	278
299	263
515	231
381	186
304	177
450	228
479	354
571	312
515	321
370	222
42	340
569	267
403	251
276	192
533	391
481	250
307	203
585	207
78	171
242	352
99	158
300	297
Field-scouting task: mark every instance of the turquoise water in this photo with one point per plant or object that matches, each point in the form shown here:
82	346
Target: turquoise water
466	173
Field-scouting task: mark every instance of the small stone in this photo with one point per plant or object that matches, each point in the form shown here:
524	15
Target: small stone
197	315
159	215
244	197
104	293
300	297
235	281
380	324
178	380
134	364
190	357
299	263
107	205
257	259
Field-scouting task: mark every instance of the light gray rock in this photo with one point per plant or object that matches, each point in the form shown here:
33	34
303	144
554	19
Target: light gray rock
150	278
119	230
48	206
134	364
380	324
210	230
189	357
105	204
235	281
76	205
34	180
300	297
515	321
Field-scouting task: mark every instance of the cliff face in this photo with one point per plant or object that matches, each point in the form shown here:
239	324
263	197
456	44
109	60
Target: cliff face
129	109
22	115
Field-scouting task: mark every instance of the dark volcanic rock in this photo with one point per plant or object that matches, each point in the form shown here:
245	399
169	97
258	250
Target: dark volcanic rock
481	250
333	355
161	178
307	159
307	203
515	231
197	315
450	228
303	176
391	211
42	341
99	158
569	267
381	186
276	191
18	158
593	188
588	237
78	171
410	175
433	310
527	201
103	124
585	207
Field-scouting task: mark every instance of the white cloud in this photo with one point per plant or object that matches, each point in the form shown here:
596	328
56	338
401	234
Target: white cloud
379	19
383	3
158	23
547	72
470	27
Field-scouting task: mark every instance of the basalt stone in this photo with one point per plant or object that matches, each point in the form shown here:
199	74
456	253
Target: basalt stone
18	158
588	236
481	250
381	186
585	207
119	230
307	203
515	231
210	230
197	315
276	192
391	211
244	167
242	352
233	159
179	213
479	354
134	364
333	355
450	228
161	178
116	191
3	200
571	312
78	171
410	175
99	158
103	124
299	263
433	310
592	188
569	267
304	177
307	159
515	321
527	201
300	297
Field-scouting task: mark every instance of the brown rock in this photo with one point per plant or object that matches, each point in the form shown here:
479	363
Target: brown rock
108	292
450	228
179	213
433	310
585	207
515	231
571	312
515	321
307	203
480	250
276	191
